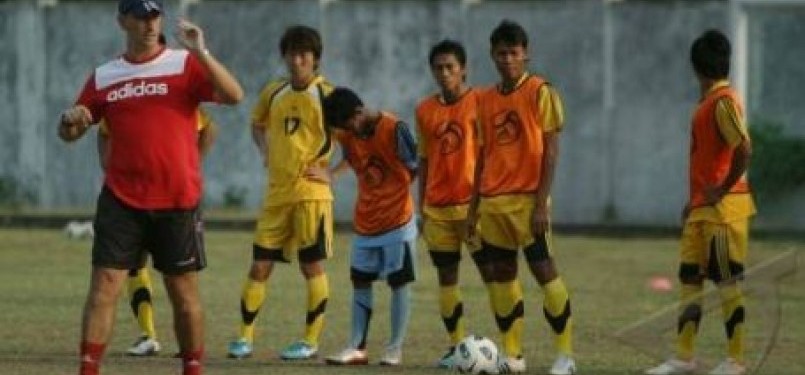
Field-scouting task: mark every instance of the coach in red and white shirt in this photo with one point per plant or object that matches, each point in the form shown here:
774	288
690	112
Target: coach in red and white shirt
149	203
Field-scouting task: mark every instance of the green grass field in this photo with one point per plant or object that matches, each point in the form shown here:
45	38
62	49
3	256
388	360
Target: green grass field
44	276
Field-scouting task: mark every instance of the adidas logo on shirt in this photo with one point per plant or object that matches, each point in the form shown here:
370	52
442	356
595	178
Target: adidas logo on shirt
136	90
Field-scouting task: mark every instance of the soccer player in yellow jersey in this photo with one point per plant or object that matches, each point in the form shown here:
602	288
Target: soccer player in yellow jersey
521	118
446	132
715	219
139	287
296	217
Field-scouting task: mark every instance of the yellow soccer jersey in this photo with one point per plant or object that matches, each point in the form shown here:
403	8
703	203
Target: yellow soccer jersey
204	120
296	139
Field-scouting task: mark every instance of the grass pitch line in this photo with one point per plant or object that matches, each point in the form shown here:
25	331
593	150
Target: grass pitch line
759	284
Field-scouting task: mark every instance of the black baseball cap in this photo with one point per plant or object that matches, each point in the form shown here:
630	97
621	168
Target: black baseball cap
139	8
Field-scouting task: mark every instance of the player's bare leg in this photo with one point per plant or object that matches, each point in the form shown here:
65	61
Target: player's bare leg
261	270
188	319
99	315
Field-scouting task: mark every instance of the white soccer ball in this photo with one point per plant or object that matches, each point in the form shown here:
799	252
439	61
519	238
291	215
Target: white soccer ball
79	230
476	355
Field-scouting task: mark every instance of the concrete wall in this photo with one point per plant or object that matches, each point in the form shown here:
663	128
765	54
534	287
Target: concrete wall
622	69
777	75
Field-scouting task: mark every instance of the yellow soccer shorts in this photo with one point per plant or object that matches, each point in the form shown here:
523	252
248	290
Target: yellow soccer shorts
511	231
447	235
713	250
302	230
444	239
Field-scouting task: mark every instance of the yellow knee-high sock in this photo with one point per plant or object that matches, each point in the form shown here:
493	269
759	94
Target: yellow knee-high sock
556	307
492	289
509	316
689	317
252	297
318	292
732	306
140	291
452	311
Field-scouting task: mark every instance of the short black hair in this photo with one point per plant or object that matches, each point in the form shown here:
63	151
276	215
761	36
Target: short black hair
301	38
509	33
710	55
448	47
340	106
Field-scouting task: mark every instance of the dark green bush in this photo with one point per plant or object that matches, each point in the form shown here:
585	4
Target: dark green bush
13	194
778	160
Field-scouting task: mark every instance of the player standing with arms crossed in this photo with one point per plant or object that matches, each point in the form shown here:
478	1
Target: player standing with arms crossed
149	98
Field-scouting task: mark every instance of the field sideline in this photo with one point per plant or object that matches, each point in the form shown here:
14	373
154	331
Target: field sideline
44	276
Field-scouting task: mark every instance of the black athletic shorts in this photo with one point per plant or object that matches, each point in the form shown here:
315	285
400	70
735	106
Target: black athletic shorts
125	235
